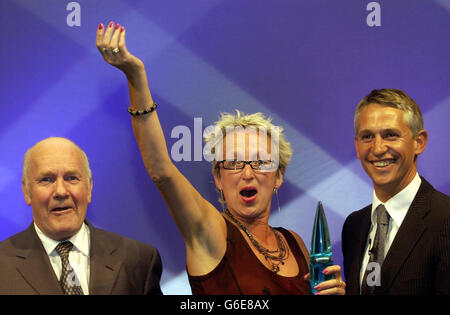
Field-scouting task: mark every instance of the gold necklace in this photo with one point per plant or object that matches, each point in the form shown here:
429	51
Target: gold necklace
274	257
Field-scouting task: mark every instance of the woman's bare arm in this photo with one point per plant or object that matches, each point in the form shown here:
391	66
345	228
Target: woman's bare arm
201	225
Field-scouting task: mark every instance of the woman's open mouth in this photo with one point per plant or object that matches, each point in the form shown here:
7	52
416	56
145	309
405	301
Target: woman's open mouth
248	194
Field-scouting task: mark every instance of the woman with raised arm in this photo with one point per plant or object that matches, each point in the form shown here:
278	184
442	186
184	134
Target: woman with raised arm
235	251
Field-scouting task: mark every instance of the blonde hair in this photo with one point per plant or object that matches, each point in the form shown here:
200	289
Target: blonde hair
393	98
256	120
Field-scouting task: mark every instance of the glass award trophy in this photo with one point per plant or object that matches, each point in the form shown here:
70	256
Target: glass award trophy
321	255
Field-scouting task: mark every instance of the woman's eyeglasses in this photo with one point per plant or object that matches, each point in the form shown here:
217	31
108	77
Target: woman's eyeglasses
258	165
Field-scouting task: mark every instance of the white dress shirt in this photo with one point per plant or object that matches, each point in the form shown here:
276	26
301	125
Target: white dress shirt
397	207
78	256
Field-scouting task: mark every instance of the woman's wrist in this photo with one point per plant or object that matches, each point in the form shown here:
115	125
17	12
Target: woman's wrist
135	71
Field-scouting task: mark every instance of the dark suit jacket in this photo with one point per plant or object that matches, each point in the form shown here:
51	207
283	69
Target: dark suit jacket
418	261
118	265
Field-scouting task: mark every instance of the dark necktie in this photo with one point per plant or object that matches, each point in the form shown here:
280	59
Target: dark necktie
372	275
69	281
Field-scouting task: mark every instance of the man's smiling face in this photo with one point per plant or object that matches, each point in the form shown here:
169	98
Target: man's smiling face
387	149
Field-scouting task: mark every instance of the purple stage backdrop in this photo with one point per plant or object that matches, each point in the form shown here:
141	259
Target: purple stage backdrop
306	63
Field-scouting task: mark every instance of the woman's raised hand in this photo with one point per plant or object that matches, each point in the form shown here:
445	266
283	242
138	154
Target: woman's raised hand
110	42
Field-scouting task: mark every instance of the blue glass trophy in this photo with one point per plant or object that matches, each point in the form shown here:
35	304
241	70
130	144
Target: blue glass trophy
321	255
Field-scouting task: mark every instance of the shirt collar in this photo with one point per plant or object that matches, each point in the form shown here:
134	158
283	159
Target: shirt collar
81	240
398	205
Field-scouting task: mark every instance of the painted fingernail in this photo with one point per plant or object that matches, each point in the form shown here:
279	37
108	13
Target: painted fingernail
317	287
117	26
100	26
111	24
122	29
325	272
317	293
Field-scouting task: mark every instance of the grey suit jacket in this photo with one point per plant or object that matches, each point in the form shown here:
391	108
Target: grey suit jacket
418	261
118	265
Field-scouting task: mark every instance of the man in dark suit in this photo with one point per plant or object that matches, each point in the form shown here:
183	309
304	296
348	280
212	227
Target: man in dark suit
61	252
401	243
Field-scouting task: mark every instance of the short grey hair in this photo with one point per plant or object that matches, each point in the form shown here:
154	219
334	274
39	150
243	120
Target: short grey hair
393	98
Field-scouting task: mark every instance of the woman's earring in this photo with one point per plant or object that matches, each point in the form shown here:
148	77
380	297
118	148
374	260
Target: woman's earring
275	190
222	200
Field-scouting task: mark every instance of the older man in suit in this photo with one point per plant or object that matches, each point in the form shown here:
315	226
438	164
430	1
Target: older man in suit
400	244
61	252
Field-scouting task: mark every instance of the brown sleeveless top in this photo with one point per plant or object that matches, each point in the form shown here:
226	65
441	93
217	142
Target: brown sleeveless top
241	272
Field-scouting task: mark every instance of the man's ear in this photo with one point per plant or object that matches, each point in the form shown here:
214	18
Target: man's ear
421	140
356	148
91	185
26	194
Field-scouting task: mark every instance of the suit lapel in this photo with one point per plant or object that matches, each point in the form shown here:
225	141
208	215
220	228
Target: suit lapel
36	268
105	263
407	237
361	246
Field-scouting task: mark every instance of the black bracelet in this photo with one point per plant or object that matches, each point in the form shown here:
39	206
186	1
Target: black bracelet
142	112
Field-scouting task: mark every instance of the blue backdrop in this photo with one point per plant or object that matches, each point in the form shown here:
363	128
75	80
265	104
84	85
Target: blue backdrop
306	63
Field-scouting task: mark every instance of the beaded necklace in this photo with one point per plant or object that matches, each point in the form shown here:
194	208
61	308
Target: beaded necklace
274	257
